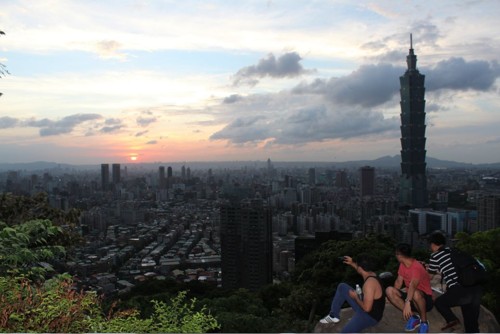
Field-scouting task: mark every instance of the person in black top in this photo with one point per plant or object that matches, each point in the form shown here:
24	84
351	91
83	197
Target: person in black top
468	298
368	309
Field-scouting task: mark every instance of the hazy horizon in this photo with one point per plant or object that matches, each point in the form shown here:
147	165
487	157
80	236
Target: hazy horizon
152	81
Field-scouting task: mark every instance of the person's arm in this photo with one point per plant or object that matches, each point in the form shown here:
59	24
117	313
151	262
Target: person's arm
399	282
409	297
369	289
433	266
348	260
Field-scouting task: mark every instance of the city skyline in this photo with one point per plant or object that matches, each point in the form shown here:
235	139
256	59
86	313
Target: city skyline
153	81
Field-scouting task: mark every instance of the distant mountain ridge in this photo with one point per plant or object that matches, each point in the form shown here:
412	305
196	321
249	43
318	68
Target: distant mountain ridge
382	162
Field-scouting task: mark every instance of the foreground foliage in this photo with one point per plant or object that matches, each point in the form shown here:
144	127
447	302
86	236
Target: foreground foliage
56	307
24	246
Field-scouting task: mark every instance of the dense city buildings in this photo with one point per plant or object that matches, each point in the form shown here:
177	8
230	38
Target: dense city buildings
139	231
413	184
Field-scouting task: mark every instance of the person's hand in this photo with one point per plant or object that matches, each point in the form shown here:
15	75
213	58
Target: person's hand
407	311
347	260
353	294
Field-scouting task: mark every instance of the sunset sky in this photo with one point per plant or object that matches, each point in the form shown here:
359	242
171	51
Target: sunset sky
96	81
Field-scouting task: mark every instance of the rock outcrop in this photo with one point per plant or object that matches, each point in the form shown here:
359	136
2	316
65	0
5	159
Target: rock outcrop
392	322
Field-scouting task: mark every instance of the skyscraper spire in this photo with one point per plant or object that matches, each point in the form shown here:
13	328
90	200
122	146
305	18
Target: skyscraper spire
411	59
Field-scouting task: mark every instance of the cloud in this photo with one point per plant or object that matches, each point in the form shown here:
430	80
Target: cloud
8	122
65	125
314	123
110	129
287	65
458	74
113	121
108	49
242	130
342	107
369	86
145	120
152	142
232	98
374	85
141	133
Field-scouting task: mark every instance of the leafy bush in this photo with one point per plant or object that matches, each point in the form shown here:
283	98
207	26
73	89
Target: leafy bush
56	307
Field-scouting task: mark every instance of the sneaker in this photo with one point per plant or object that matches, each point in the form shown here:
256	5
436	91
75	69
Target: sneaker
424	327
450	324
329	320
412	323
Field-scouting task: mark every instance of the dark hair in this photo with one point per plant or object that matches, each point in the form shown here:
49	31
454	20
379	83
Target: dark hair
437	238
403	249
366	261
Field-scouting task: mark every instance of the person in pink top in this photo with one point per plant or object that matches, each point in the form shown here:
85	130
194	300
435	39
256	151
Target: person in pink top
417	300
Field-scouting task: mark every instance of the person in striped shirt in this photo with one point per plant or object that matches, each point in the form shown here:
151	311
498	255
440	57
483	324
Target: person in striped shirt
468	298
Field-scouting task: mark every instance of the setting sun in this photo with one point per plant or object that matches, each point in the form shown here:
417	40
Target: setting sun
133	158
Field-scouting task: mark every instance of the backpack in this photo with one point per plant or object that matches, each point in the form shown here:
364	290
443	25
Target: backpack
470	271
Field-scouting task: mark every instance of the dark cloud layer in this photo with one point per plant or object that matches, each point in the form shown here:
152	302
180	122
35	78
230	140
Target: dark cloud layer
344	107
370	85
287	65
458	74
373	85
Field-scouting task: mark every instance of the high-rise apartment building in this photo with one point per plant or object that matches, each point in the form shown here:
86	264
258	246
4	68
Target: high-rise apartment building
161	177
488	212
116	173
311	174
104	177
367	184
341	179
413	181
246	244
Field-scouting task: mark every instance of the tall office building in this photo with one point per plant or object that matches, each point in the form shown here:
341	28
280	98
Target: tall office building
413	181
367	184
161	177
341	179
312	176
488	209
246	245
104	176
116	173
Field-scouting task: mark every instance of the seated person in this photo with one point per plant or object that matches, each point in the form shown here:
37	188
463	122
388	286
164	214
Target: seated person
369	309
418	295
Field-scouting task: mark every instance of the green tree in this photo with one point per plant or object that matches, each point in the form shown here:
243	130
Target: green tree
318	274
16	210
24	246
485	246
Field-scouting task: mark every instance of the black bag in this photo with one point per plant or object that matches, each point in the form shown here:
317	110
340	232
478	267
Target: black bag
469	270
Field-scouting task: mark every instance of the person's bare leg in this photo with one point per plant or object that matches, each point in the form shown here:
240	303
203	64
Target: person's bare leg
394	296
419	302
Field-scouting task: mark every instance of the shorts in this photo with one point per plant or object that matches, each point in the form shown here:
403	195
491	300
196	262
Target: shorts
429	302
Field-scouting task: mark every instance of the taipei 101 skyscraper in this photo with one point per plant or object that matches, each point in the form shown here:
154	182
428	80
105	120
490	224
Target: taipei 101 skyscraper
413	182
